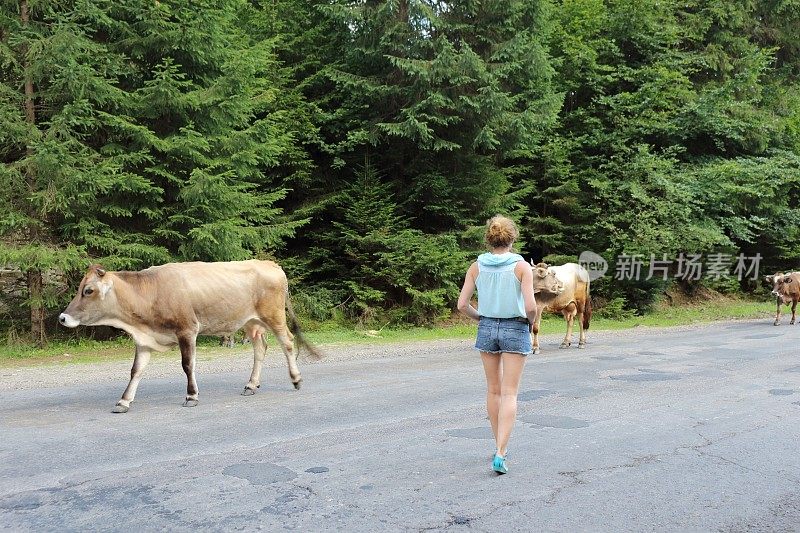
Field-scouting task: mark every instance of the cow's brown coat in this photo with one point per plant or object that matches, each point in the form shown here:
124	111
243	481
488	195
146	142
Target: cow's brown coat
786	289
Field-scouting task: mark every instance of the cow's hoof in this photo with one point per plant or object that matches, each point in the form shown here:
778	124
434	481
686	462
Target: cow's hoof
297	385
582	345
119	409
536	351
776	323
791	323
248	391
564	345
190	403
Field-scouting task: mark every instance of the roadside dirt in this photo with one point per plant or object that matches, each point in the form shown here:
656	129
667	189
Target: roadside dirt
240	359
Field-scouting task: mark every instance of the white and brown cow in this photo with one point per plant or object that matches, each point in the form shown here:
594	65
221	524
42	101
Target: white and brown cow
168	305
786	289
571	300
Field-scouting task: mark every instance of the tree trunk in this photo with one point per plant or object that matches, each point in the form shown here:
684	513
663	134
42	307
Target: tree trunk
30	111
35	284
35	294
402	11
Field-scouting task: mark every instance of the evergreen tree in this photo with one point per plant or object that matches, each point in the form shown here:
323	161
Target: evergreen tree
385	264
211	99
57	114
136	133
440	95
446	102
658	98
141	132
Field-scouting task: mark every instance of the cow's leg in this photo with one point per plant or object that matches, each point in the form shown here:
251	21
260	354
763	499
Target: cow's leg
794	306
778	312
188	347
286	341
569	313
256	336
275	318
140	360
582	336
535	331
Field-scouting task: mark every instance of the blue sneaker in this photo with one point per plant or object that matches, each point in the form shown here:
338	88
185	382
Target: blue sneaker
499	464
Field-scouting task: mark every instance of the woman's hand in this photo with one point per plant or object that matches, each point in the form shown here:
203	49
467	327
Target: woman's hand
467	290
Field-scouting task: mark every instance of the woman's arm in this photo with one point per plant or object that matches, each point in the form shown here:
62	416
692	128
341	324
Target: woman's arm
525	274
464	299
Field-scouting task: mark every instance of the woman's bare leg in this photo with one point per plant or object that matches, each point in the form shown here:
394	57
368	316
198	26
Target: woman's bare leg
491	366
513	364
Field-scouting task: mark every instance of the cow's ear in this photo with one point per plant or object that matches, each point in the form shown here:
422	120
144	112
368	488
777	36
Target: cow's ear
769	279
100	272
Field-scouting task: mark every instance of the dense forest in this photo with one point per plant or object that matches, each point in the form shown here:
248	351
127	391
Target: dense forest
363	144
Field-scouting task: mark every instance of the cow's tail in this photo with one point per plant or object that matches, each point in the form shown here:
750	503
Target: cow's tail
294	327
587	308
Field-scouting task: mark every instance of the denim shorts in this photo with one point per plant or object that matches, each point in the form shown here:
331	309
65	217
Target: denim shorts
498	335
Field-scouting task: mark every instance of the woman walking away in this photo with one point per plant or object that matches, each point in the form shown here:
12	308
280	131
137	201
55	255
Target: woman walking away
506	308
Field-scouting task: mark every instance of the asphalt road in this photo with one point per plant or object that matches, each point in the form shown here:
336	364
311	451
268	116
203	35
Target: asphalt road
689	429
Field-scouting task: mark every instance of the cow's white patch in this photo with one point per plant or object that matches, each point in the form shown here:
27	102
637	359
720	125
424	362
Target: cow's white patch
68	320
104	288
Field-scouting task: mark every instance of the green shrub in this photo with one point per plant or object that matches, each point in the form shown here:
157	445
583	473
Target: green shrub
614	309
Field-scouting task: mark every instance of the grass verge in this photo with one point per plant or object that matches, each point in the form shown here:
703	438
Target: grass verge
89	351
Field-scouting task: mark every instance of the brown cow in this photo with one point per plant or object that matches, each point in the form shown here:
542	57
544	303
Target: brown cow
572	300
171	304
786	289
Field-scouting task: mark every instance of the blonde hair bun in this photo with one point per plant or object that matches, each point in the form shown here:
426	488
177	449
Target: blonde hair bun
500	231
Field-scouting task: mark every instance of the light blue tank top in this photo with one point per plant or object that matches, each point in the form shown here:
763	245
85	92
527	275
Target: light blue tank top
499	290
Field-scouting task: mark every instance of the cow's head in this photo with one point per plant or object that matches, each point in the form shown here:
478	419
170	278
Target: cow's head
778	281
545	280
91	304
